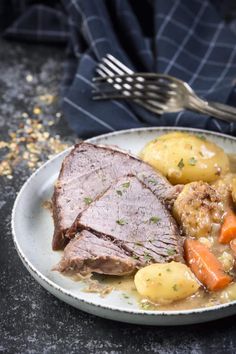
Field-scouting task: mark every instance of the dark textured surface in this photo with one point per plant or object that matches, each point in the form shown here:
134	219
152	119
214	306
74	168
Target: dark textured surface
32	320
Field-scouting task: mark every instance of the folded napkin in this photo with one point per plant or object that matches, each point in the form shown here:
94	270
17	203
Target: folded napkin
183	38
186	39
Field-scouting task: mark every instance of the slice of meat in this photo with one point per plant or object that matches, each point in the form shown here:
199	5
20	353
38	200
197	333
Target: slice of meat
131	216
86	173
87	253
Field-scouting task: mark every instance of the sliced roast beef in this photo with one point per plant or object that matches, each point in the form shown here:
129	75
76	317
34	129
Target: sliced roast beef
86	173
88	253
130	215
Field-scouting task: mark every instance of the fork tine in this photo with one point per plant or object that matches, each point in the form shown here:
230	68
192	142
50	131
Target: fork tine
107	65
111	66
153	94
158	89
149	90
156	80
147	77
118	87
108	73
111	70
152	107
128	95
141	88
119	96
120	65
110	76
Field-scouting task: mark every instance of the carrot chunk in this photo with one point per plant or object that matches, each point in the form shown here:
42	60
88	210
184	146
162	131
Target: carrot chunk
228	229
206	267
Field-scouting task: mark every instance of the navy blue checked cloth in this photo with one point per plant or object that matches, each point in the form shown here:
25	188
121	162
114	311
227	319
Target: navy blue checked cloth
188	39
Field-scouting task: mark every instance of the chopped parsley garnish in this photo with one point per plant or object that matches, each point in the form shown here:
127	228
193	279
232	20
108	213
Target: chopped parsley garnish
171	252
192	161
154	219
168	270
121	222
152	181
202	137
126	185
88	200
145	306
138	243
119	192
181	164
135	256
147	256
175	287
125	296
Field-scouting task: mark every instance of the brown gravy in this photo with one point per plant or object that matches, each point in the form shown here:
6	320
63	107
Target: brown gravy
199	300
232	161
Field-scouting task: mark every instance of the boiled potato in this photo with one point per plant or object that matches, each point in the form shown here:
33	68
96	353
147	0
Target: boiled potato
165	283
185	158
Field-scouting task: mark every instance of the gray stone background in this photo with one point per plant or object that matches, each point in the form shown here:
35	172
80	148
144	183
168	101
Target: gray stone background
31	319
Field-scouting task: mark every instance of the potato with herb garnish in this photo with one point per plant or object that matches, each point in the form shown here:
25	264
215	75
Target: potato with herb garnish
185	158
166	282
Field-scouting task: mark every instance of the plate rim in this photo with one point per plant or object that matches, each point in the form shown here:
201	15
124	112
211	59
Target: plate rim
54	286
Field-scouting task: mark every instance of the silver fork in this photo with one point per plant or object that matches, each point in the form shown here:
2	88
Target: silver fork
158	93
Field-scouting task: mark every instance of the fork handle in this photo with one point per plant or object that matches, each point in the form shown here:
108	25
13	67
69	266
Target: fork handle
215	109
223	107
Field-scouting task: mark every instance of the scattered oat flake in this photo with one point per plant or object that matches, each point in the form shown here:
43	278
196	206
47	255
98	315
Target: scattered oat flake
48	99
5	168
29	78
31	143
3	144
37	110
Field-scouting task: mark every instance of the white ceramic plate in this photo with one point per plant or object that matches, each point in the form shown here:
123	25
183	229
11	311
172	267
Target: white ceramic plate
32	228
